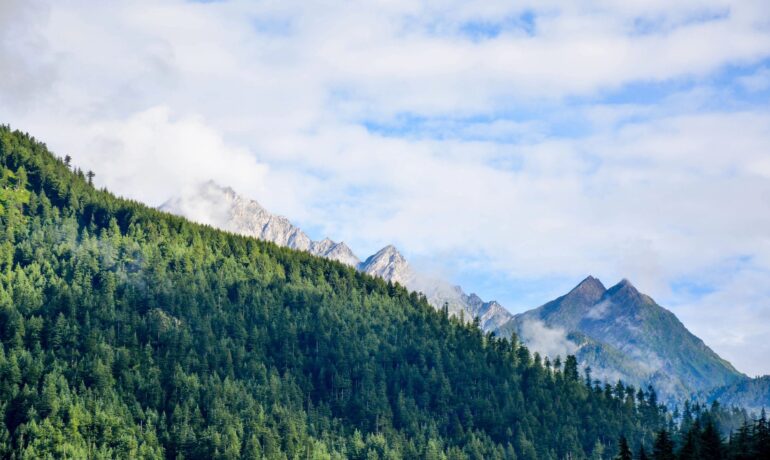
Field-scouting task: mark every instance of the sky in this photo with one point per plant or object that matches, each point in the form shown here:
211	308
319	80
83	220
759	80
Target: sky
511	147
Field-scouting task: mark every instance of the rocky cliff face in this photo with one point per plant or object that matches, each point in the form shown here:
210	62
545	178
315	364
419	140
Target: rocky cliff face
334	251
223	208
389	264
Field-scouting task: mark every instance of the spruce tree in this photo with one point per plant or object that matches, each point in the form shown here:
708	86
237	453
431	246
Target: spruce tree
663	449
710	443
762	437
624	452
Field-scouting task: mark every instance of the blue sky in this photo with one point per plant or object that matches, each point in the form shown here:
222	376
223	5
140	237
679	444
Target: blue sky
514	148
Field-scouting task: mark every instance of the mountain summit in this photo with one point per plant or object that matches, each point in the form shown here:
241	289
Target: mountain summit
623	334
389	264
211	204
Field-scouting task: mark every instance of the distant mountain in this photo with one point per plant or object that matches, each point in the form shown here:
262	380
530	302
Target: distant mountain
623	334
389	264
751	394
221	207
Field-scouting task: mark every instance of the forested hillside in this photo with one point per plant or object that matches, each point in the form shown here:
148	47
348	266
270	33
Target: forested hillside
751	394
130	333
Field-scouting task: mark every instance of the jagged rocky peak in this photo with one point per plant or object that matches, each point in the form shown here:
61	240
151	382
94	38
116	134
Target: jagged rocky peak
589	288
389	254
492	315
625	292
324	245
221	207
623	334
335	251
475	300
389	264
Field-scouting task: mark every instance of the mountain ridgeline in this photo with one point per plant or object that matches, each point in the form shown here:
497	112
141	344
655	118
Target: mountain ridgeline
127	332
620	333
212	204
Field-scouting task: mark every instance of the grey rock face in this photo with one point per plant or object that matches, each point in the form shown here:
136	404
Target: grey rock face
334	251
390	265
221	207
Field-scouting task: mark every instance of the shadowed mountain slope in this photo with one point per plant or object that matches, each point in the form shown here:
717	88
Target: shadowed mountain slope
623	334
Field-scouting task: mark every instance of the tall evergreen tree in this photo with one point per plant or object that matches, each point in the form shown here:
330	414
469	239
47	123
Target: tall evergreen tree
710	443
624	452
663	448
762	437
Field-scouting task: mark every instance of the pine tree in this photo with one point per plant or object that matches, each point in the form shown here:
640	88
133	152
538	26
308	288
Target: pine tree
663	449
740	443
762	437
571	368
710	443
624	452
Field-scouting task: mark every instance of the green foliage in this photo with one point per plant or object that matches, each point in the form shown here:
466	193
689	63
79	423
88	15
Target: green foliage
624	452
130	333
697	437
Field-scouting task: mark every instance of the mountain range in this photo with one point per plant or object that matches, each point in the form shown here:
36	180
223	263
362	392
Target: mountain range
126	332
221	207
130	333
619	333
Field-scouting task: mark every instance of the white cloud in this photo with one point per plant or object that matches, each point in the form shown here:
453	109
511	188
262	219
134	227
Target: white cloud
757	81
151	155
548	341
599	310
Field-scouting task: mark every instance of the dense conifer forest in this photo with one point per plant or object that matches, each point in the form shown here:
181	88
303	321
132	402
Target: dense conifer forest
130	333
